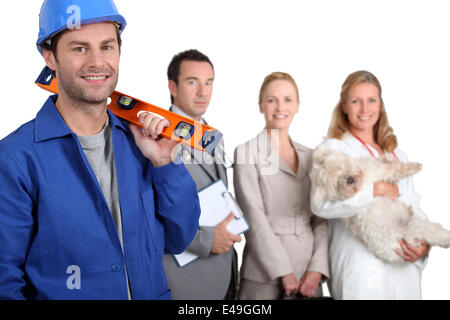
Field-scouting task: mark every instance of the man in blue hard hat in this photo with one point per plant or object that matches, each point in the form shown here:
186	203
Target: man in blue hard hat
88	203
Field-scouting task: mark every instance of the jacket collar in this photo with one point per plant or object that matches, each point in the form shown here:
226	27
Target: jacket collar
177	110
50	125
269	156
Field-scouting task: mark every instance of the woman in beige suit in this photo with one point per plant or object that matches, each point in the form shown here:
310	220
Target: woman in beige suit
286	249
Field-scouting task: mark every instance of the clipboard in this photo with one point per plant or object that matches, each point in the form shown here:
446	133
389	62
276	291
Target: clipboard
216	203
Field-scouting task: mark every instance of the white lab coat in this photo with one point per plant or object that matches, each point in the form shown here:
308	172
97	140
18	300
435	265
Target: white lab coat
355	272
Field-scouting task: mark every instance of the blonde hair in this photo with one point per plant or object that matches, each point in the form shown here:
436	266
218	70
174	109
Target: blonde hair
383	133
276	76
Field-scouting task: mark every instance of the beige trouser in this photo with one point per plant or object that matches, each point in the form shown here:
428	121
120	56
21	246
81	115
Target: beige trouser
252	290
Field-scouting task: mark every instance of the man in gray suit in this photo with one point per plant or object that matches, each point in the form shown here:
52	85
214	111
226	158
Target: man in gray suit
214	274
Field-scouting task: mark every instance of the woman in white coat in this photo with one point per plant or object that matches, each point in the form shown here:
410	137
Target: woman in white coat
360	128
286	250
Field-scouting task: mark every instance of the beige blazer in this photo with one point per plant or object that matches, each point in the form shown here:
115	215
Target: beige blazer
284	235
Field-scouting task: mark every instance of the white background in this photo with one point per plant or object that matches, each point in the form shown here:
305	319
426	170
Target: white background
404	43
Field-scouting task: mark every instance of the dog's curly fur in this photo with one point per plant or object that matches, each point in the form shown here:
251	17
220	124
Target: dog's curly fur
336	176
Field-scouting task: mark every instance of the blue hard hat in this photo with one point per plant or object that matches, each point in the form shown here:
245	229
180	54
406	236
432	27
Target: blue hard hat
59	15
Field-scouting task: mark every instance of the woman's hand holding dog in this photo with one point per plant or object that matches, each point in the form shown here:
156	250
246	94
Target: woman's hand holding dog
412	253
385	189
409	253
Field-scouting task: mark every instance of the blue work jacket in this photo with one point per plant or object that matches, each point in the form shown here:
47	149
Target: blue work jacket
57	235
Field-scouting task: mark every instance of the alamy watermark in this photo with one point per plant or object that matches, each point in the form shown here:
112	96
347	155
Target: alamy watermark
74	280
74	19
261	152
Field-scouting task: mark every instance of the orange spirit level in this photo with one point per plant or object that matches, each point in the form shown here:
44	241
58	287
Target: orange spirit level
182	130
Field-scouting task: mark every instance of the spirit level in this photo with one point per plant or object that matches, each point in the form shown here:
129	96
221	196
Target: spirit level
182	130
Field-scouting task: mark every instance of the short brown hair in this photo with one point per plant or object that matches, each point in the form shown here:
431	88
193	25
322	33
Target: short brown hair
383	133
174	68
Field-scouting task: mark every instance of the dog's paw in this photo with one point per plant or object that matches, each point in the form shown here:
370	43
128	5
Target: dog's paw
403	170
411	168
415	167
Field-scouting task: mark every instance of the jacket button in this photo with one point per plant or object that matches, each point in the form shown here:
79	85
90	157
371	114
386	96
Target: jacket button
115	268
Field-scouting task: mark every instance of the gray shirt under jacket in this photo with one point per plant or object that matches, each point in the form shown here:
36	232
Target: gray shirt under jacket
98	149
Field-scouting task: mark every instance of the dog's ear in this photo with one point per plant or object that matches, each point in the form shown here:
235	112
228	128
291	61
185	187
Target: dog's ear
319	184
320	154
317	196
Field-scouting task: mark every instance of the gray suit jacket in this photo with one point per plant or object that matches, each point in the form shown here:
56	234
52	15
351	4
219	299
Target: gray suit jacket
209	276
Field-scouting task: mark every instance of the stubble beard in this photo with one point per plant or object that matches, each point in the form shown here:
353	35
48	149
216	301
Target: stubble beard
80	95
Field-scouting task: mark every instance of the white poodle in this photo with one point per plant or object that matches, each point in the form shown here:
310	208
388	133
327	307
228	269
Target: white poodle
336	176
